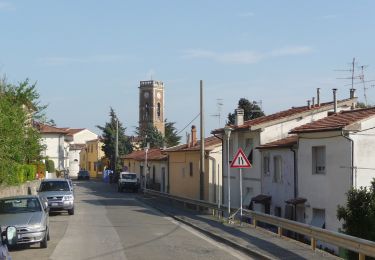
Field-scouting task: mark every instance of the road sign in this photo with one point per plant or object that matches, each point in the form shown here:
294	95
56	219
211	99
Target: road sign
240	160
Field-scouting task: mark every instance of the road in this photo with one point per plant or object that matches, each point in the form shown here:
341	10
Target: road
112	225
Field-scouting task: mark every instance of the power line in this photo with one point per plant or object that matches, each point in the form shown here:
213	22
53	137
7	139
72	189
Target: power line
188	124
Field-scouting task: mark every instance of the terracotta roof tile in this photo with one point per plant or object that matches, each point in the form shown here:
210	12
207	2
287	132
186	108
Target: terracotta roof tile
47	129
282	114
281	143
336	121
210	143
154	154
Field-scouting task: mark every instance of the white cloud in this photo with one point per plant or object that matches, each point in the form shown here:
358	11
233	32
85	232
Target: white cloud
6	6
54	61
245	57
246	14
287	51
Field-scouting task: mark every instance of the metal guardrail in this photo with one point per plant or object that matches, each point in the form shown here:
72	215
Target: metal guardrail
359	245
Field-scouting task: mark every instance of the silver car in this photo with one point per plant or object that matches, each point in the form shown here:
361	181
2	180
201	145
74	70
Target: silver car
29	214
58	193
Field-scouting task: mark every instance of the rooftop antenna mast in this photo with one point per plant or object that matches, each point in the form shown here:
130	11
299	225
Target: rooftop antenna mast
219	105
352	69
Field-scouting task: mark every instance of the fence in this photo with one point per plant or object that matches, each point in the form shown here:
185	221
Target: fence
361	246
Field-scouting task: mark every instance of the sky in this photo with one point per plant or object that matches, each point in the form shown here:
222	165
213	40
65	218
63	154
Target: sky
89	55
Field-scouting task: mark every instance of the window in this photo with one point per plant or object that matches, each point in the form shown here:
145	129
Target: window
278	212
191	169
319	218
249	145
319	160
147	111
266	164
89	166
158	110
277	166
153	174
95	166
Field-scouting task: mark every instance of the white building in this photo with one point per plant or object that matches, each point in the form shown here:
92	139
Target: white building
253	133
55	148
63	145
76	139
335	154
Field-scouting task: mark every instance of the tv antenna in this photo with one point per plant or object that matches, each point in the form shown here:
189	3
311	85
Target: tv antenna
219	105
352	77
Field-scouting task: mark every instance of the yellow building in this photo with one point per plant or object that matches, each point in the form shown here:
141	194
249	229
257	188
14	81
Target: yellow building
157	162
184	169
91	158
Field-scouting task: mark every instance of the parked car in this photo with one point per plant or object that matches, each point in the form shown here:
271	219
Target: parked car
83	175
128	180
58	193
29	214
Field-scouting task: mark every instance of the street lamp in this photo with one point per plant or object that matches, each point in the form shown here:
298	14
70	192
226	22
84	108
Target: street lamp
146	168
228	130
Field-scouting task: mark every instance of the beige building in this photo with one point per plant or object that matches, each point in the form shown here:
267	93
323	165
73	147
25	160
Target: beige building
184	169
91	158
157	174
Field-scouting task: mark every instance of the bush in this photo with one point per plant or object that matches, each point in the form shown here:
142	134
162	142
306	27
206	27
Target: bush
50	166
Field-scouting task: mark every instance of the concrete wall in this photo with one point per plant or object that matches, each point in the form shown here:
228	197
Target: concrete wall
23	189
324	191
284	189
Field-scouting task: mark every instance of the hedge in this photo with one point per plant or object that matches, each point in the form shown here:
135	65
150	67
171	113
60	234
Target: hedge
12	173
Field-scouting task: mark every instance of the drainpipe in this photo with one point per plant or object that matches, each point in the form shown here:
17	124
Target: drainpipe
352	159
295	180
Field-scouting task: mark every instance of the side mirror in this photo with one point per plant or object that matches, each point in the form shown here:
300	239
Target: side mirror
11	236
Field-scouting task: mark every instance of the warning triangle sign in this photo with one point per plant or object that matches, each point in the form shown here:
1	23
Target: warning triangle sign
240	160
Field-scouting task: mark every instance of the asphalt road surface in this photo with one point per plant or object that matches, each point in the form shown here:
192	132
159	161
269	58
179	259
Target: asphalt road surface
112	225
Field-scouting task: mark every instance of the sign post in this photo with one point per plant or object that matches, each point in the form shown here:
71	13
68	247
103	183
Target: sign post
240	161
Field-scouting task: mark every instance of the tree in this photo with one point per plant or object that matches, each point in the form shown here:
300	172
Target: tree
171	138
150	135
20	140
359	214
109	140
251	111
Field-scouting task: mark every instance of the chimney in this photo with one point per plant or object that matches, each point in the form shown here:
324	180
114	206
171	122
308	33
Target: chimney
193	135
308	104
334	100
352	96
239	117
188	139
313	101
318	97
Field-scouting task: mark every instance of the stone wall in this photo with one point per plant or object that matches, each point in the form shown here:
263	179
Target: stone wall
26	188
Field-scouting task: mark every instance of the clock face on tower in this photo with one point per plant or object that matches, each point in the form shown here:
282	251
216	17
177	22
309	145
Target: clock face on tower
146	94
158	95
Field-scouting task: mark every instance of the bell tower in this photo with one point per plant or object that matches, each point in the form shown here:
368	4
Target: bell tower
151	104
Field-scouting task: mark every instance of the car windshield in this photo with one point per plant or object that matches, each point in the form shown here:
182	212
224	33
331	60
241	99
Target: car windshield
129	176
54	186
19	205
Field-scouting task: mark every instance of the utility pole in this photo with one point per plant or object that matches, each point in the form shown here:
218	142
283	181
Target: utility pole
202	164
116	153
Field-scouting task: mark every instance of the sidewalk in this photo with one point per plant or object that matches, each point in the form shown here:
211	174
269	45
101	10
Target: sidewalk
255	242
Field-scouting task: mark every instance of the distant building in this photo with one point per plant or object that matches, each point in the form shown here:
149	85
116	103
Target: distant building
91	157
184	169
157	163
151	105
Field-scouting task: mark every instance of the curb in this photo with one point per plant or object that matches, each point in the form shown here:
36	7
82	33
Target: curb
214	236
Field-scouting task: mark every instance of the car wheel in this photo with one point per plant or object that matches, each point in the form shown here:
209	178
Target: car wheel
71	211
44	243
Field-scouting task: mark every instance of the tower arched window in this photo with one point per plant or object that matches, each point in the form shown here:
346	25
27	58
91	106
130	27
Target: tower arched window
158	111
147	111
